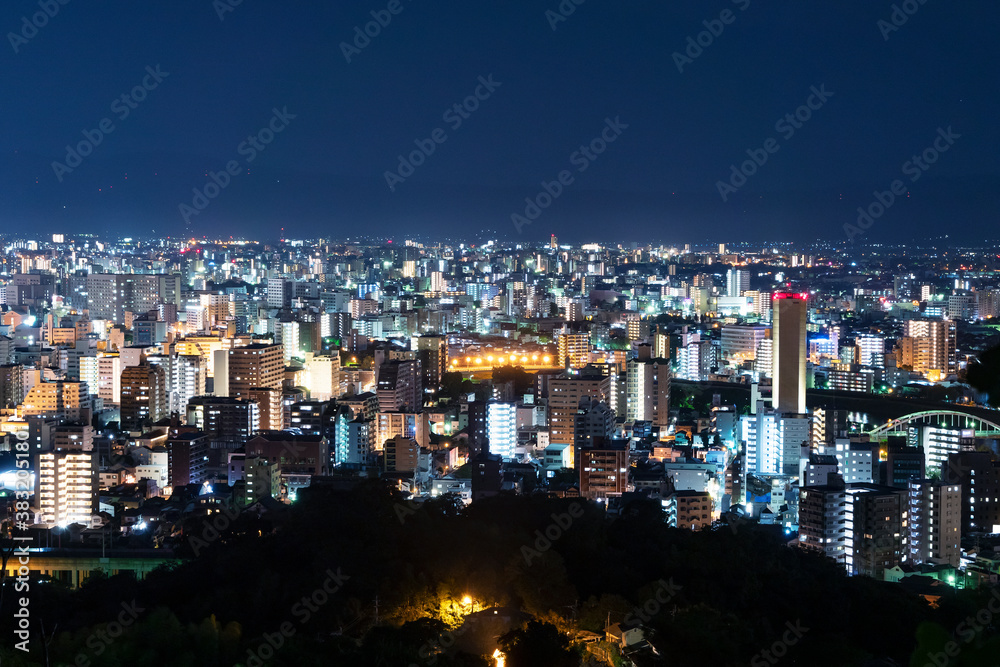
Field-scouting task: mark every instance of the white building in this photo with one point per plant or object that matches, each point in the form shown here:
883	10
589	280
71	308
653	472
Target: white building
773	442
855	461
66	487
501	429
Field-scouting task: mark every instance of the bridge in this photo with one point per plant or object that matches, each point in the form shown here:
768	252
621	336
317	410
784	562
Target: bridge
952	419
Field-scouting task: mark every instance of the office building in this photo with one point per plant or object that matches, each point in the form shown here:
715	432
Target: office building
789	377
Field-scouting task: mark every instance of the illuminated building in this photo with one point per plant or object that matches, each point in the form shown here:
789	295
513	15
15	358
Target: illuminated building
928	347
144	396
66	486
565	392
256	372
62	398
978	474
648	392
501	428
688	509
401	454
574	350
935	523
789	377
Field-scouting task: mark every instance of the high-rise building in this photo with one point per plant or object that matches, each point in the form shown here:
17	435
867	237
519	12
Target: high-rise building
773	442
739	343
185	379
501	427
574	350
400	386
938	443
66	486
870	350
432	350
401	454
790	319
595	423
62	398
11	385
144	396
902	464
928	347
280	292
224	418
256	372
187	458
875	521
407	424
110	296
565	392
604	470
935	523
648	392
978	474
737	282
862	526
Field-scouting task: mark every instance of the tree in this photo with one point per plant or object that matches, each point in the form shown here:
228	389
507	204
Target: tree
984	375
522	379
537	645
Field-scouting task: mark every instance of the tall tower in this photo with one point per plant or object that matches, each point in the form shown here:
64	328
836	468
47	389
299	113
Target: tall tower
789	352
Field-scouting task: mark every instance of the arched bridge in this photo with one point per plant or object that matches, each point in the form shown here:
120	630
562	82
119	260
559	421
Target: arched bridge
984	428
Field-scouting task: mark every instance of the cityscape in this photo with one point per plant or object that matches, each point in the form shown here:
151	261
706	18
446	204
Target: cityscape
538	334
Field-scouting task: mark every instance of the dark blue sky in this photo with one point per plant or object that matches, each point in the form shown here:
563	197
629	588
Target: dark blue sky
325	172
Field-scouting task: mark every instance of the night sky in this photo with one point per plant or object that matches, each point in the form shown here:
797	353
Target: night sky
324	173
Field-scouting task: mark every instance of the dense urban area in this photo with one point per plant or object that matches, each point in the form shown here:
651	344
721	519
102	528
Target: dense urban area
413	453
